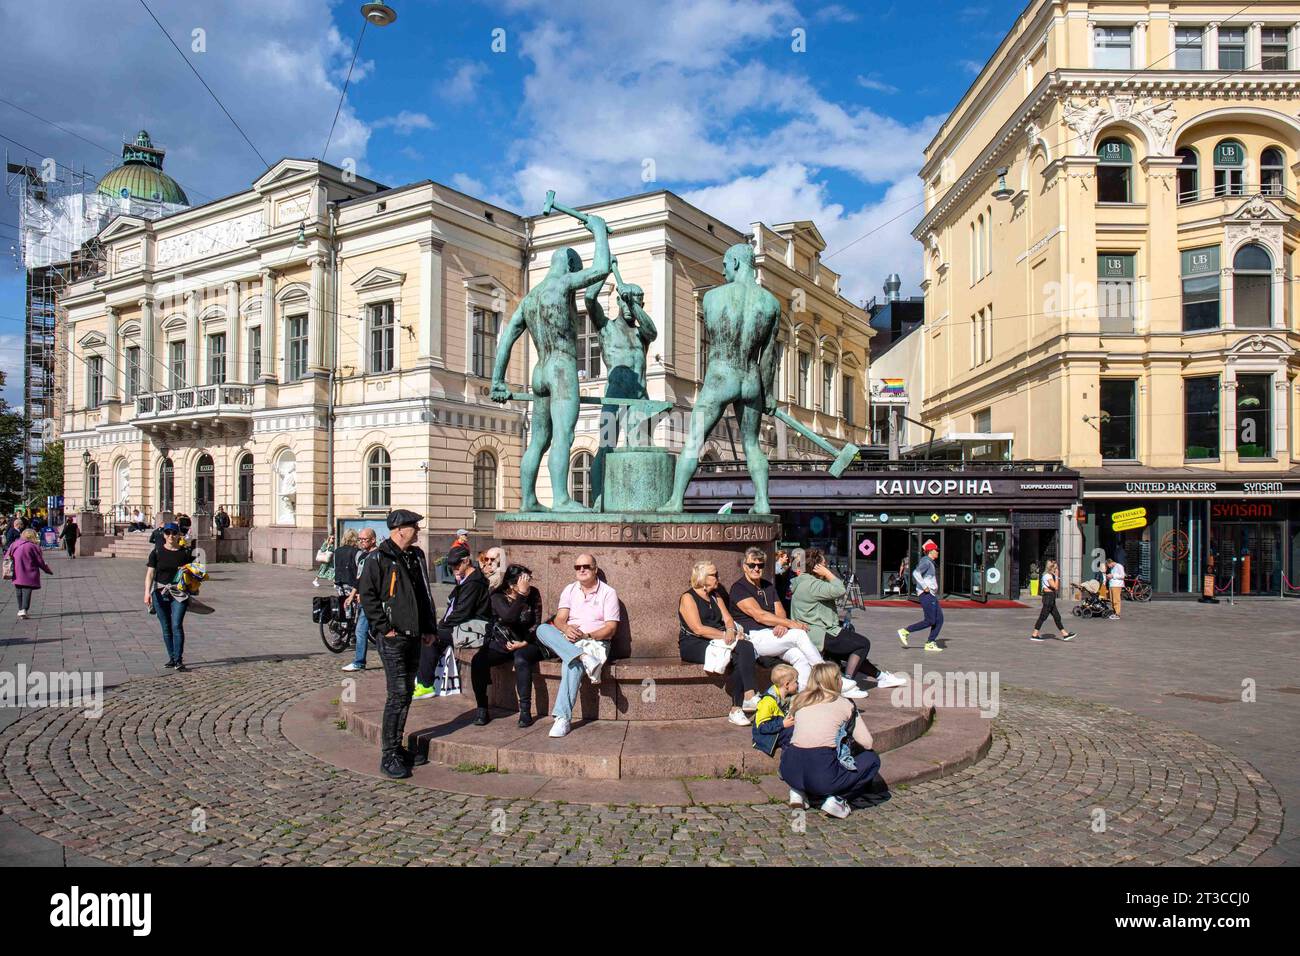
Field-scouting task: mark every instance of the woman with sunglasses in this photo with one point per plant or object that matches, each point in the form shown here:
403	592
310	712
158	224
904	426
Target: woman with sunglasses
167	558
755	607
705	617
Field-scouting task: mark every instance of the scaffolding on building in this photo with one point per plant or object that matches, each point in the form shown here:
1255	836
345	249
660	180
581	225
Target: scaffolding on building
60	216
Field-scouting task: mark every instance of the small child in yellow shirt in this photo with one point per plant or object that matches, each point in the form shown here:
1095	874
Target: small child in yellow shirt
772	728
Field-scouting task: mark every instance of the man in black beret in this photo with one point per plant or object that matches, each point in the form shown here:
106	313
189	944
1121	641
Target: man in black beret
394	589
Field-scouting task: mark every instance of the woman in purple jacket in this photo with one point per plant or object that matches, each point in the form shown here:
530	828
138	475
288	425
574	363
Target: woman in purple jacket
28	561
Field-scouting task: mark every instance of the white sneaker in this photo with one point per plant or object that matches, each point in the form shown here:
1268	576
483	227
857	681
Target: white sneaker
886	679
903	635
857	693
22	615
560	728
737	717
847	683
797	799
750	704
354	666
836	807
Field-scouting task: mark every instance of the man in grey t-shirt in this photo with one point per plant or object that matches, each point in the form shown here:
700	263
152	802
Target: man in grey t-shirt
926	577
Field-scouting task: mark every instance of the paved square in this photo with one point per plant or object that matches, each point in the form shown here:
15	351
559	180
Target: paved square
1142	719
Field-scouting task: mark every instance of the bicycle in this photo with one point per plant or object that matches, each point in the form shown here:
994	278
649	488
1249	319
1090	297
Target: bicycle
1135	589
339	634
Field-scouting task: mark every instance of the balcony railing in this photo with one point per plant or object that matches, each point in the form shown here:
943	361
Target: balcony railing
202	399
933	464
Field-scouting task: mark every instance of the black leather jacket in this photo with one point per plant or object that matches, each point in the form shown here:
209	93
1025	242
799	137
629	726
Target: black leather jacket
394	590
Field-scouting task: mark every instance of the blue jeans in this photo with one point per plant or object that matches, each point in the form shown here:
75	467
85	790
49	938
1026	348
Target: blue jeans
933	617
571	674
363	631
171	615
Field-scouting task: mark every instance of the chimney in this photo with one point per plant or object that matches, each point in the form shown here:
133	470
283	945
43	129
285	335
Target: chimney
892	286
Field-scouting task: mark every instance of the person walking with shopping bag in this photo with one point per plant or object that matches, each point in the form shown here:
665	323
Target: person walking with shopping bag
24	562
70	534
1049	587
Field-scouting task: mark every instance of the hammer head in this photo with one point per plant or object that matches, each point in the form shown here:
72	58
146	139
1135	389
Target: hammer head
549	205
843	460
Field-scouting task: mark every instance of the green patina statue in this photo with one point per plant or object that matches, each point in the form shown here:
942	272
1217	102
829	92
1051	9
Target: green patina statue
740	318
549	313
623	345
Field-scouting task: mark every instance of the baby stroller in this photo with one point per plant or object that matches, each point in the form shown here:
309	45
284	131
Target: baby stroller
1090	600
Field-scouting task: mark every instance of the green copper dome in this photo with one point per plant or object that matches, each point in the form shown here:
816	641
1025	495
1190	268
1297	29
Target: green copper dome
141	177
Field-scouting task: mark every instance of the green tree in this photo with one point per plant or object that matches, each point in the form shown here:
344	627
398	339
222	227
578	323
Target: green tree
49	473
12	432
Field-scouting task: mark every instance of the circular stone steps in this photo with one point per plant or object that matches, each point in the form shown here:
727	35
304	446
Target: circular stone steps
914	742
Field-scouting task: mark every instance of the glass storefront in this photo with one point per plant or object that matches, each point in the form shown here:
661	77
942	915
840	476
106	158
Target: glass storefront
1165	544
1251	545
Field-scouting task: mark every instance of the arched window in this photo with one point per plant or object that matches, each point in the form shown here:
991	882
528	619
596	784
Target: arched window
1114	171
580	478
1252	288
979	247
987	257
166	486
1229	166
1272	172
974	254
92	484
244	515
1189	176
485	481
379	479
204	485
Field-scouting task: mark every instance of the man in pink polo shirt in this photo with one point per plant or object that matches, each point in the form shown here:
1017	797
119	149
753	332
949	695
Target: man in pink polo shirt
588	609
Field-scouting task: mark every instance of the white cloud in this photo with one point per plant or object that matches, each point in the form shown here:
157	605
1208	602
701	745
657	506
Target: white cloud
972	67
278	67
864	245
404	123
464	81
873	83
835	13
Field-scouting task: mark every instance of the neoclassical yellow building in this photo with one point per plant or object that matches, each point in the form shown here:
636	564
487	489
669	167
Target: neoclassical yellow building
1110	247
319	349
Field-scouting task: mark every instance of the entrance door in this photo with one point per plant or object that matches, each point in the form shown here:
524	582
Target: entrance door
244	518
1258	552
864	559
204	486
962	562
988	564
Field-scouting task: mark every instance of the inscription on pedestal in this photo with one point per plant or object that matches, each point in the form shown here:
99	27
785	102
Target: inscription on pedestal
637	533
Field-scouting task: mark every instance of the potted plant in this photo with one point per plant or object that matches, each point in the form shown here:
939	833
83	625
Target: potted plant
1035	581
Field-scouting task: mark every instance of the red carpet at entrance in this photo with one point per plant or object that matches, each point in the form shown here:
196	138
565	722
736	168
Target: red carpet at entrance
956	603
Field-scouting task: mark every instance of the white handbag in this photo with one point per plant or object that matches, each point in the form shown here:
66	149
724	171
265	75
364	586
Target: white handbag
446	677
470	635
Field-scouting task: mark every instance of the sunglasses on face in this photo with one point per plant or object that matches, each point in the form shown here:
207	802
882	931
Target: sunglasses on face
756	567
584	567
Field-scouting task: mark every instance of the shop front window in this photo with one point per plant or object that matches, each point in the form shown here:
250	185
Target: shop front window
1252	288
1200	289
1201	417
1254	416
1117	425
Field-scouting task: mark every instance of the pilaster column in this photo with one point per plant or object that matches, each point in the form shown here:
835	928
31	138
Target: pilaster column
234	324
1140	45
1159	276
147	356
270	325
112	372
663	298
1212	46
1255	46
318	310
431	302
192	339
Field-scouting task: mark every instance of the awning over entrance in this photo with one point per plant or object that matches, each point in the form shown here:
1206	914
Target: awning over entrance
1035	485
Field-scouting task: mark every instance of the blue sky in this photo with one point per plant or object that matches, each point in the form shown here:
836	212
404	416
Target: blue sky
587	97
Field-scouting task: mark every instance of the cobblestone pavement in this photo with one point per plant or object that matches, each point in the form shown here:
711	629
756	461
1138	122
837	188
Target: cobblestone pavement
126	787
129	786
